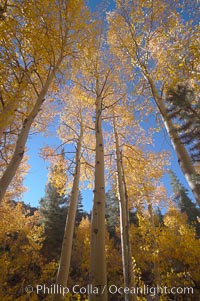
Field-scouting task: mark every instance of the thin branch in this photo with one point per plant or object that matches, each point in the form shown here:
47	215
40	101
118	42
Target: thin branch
107	107
105	82
67	125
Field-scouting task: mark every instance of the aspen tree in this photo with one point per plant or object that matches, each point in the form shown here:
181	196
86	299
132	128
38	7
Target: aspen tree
106	83
139	36
97	78
127	133
183	157
63	271
124	221
22	138
98	256
144	175
48	50
156	249
73	129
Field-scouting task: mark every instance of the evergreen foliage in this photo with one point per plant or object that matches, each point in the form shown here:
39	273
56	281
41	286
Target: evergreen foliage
112	212
81	213
158	217
133	217
184	202
53	209
99	88
184	109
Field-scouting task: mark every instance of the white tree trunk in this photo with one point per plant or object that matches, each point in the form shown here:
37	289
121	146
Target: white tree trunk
18	154
182	154
98	278
155	248
65	258
124	224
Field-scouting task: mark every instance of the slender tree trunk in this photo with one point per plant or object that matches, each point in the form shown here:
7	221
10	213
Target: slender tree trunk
124	224
182	154
97	252
17	157
155	248
65	258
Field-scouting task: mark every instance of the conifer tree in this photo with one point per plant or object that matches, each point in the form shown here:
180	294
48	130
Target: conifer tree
53	209
158	216
184	202
184	109
112	212
81	213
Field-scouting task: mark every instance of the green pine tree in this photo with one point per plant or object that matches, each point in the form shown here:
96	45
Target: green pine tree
53	210
184	109
80	211
184	202
112	212
158	217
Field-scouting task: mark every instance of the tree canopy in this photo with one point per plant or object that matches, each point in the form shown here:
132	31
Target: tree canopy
103	88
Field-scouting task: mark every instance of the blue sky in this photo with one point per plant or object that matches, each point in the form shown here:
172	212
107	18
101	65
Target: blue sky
96	4
36	179
37	176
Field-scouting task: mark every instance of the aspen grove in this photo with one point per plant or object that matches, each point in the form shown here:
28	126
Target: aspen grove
100	120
